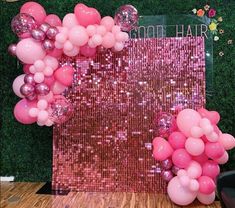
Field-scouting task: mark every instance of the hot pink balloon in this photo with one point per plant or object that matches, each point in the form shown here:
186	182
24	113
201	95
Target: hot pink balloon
214	150
21	111
64	75
206	198
194	146
55	52
202	158
53	20
194	170
35	10
227	140
57	88
211	169
78	36
18	82
86	15
223	159
187	119
181	158
177	140
29	51
49	81
162	149
213	116
180	194
206	185
87	51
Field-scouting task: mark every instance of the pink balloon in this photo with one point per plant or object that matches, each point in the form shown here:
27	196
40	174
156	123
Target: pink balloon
53	20
206	185
101	30
91	30
108	22
51	62
108	40
206	198
57	88
202	158
97	39
181	158
211	169
21	111
187	119
214	150
18	82
162	149
29	51
227	140
78	36
223	159
87	51
49	81
64	75
86	15
49	97
177	140
56	52
213	116
26	68
194	170
179	194
196	132
35	10
194	146
70	21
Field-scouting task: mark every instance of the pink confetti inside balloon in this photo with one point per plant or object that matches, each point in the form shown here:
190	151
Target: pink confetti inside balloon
167	175
22	24
166	124
126	17
61	110
12	49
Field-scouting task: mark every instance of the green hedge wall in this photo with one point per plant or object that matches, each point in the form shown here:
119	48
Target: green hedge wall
26	150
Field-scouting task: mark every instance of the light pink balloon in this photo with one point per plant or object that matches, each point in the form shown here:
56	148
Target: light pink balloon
206	198
49	97
87	51
213	116
179	194
194	185
118	46
91	30
35	10
108	22
70	21
227	140
211	169
162	149
177	140
86	15
64	75
194	146
21	111
18	82
187	119
101	30
181	158
29	51
97	39
194	170
108	40
43	116
53	20
51	62
73	52
78	36
214	150
57	88
206	185
223	159
196	132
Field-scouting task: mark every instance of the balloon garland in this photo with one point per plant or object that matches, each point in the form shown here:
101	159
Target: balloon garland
191	153
43	39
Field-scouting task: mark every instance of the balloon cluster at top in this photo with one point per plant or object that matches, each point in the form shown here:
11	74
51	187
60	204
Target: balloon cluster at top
190	154
43	39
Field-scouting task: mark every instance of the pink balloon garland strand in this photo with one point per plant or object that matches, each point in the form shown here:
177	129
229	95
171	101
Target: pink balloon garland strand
43	40
191	154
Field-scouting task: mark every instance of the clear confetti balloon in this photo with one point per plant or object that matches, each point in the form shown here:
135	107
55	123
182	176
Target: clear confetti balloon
165	124
22	25
126	17
61	110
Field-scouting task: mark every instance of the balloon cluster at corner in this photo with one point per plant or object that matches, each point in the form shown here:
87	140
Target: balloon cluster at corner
190	148
43	39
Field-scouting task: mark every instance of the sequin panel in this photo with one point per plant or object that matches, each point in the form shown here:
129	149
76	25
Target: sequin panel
106	145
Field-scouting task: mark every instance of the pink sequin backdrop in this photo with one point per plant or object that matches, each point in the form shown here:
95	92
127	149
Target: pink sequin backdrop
106	146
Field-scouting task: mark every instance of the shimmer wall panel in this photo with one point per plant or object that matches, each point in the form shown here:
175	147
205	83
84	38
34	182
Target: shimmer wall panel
106	145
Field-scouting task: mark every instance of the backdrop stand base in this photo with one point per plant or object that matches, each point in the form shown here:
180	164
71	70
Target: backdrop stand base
46	189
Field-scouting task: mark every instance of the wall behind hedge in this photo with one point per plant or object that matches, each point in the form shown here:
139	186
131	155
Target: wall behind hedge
26	150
